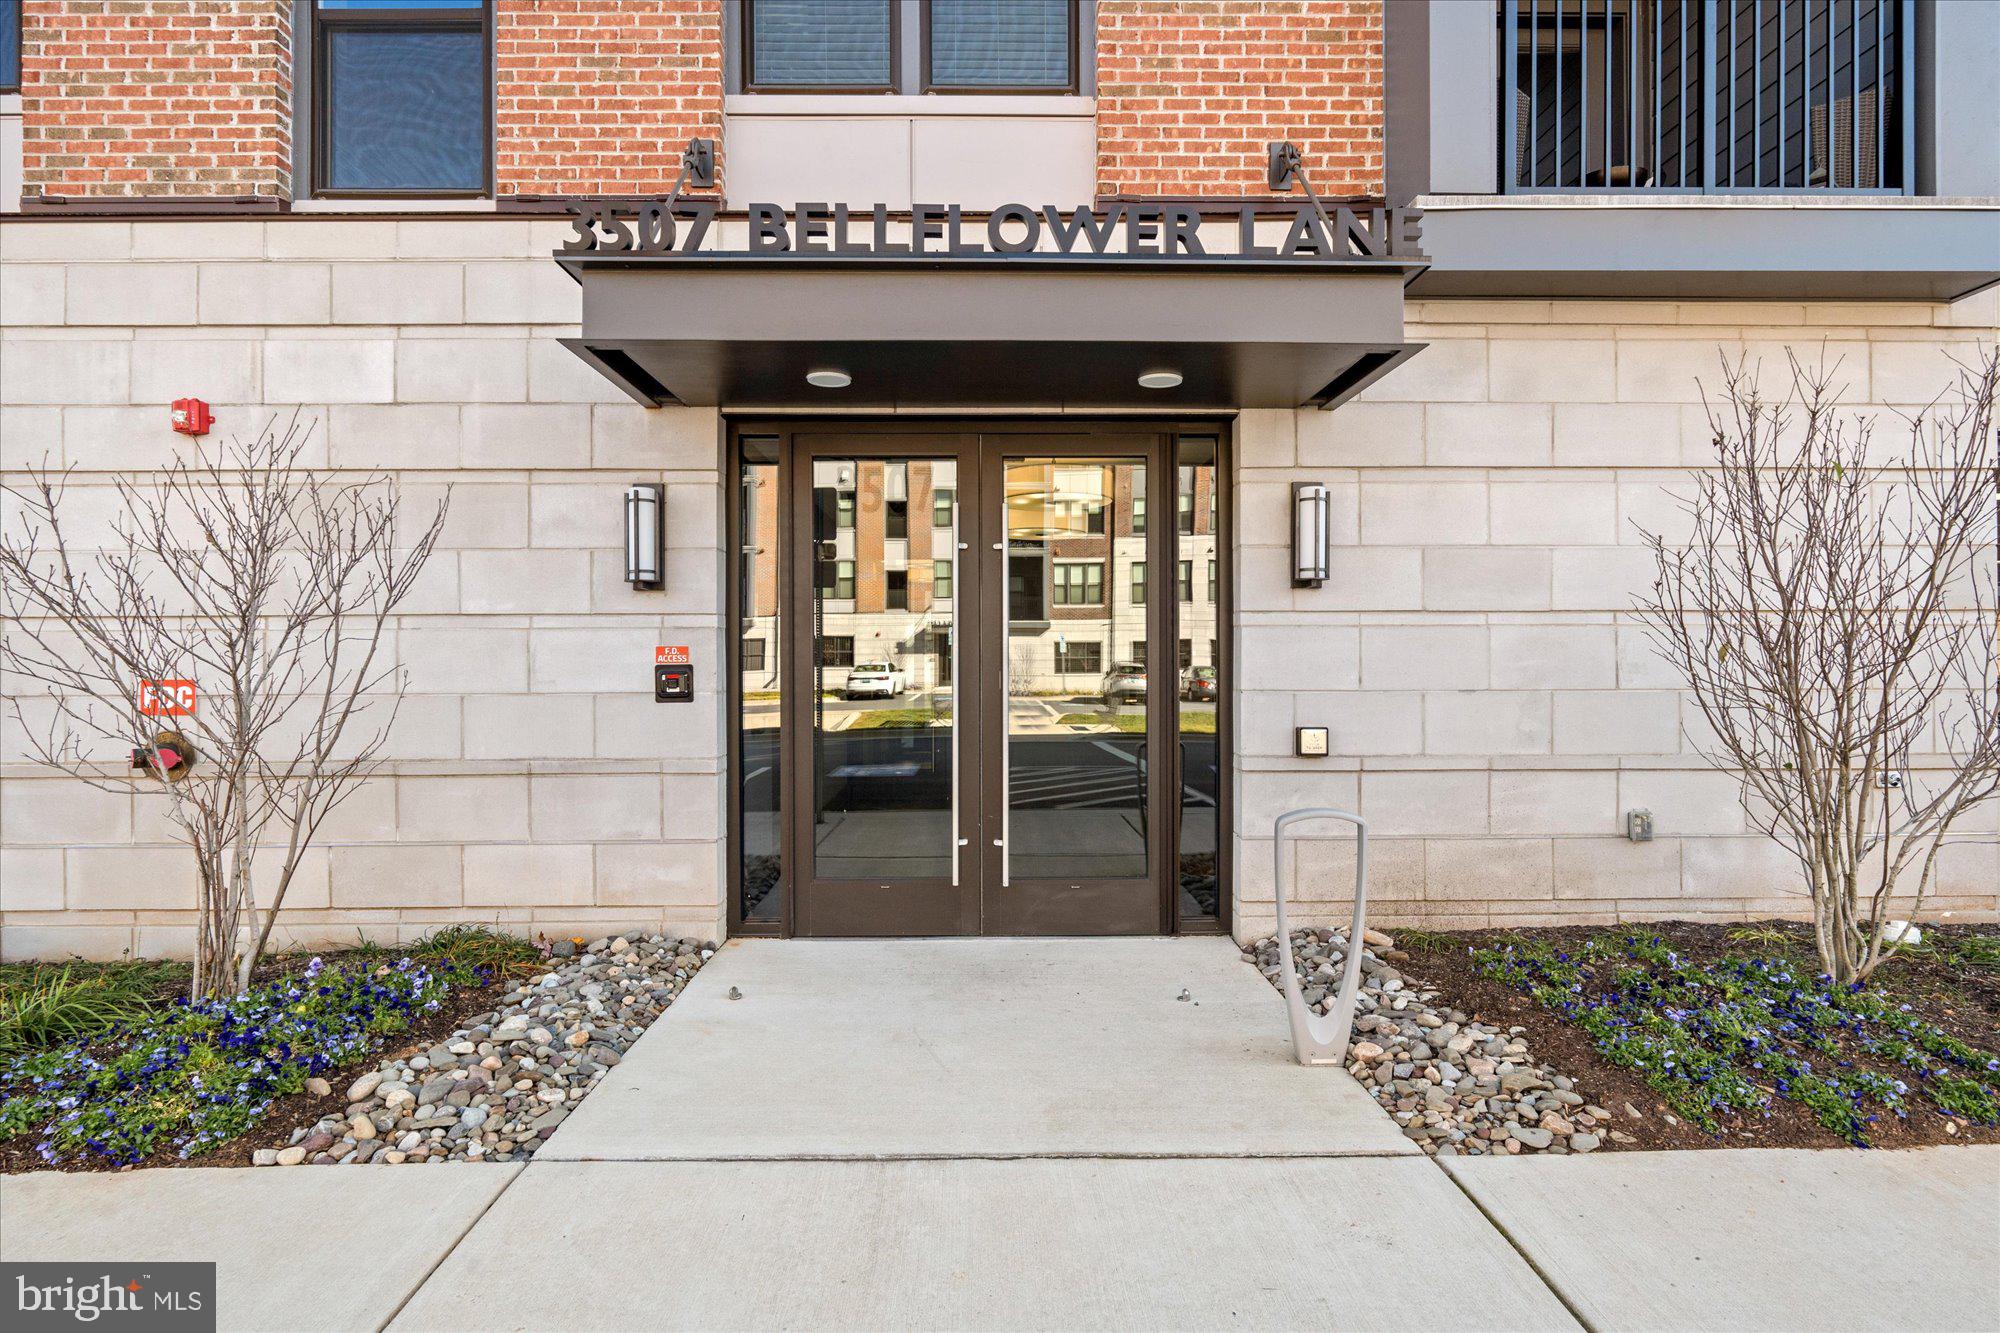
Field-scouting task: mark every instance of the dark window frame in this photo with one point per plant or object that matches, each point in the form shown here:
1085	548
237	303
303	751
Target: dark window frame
895	589
411	20
1093	655
829	656
942	584
1034	603
19	53
1059	582
747	33
750	661
843	577
1725	87
929	84
764	455
909	59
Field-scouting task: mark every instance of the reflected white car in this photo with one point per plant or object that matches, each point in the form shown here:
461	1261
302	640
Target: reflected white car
1125	683
873	680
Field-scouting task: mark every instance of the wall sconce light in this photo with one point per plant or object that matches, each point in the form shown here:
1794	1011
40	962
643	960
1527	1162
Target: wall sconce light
1312	509
645	527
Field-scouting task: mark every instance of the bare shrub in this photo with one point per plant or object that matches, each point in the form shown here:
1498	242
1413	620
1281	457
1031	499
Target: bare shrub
269	585
1833	617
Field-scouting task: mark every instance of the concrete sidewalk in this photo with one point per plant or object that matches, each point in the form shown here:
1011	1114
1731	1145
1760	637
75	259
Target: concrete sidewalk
1072	1243
972	1048
1758	1239
1035	1134
1771	1238
295	1249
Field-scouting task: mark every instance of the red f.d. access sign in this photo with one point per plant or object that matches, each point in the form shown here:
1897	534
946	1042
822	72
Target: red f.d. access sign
166	698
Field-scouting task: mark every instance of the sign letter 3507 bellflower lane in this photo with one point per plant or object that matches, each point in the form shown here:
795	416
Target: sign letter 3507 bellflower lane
1163	231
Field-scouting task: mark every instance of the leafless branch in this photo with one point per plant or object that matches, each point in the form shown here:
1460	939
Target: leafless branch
1833	618
270	585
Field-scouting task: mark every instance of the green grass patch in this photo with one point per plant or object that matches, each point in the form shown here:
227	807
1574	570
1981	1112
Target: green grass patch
1770	939
1980	952
1728	1037
45	1004
1192	724
473	946
1416	941
882	719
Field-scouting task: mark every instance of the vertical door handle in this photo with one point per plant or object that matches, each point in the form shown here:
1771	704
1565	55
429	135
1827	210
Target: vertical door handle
957	686
1005	841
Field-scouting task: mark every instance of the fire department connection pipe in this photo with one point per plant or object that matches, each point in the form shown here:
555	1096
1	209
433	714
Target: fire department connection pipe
1321	1039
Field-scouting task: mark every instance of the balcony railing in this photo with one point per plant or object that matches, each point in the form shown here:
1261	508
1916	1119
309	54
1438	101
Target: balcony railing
1707	96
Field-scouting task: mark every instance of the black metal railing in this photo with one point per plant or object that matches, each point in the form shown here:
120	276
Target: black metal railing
1765	96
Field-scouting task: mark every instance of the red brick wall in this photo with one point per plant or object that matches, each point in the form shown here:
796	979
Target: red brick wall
193	97
1190	91
156	97
600	96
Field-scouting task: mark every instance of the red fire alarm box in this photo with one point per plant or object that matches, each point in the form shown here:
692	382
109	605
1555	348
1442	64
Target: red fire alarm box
169	755
192	417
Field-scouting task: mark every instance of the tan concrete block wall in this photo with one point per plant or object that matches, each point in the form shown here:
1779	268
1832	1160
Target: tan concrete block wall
1494	710
532	781
1494	707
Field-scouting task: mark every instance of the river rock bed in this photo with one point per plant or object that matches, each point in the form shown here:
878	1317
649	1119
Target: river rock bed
500	1085
1457	1087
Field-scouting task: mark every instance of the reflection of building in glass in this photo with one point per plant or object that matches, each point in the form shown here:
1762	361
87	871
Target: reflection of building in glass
878	618
1077	573
883	555
759	777
1073	538
757	577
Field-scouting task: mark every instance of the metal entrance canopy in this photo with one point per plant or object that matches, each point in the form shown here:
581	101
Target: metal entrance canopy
1016	332
1018	307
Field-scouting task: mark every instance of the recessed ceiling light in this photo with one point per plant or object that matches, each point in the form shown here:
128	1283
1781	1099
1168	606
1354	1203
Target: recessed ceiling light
829	379
1160	379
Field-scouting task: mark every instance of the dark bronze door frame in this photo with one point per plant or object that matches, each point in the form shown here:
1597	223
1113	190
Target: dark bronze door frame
1014	900
828	901
986	898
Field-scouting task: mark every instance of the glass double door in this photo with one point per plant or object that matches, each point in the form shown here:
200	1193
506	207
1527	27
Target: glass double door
976	746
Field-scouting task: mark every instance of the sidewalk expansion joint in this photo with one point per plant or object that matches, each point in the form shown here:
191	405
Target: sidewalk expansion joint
1080	1155
424	1278
1555	1288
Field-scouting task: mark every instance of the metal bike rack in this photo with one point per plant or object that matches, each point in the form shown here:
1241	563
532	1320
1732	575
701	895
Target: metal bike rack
1321	1039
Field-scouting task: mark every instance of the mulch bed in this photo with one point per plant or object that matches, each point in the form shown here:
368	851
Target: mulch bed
301	1108
1962	1001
